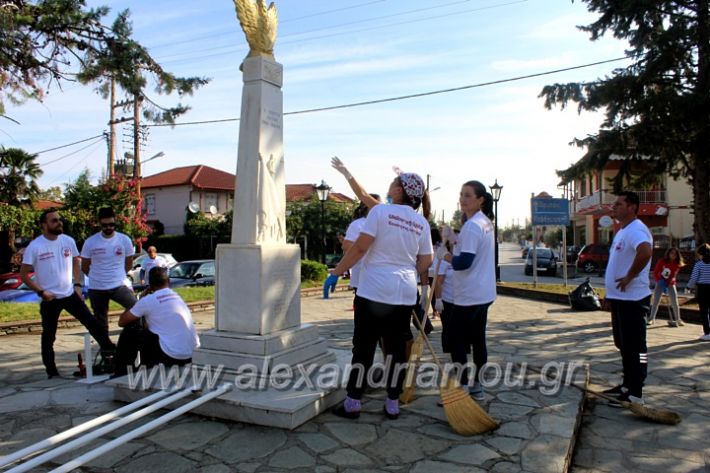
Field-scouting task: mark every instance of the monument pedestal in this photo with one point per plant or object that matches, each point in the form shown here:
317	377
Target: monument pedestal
257	294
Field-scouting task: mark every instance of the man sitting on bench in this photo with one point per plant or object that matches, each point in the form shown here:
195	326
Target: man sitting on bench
168	334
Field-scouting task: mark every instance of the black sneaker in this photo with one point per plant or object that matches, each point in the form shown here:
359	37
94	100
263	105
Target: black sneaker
53	373
618	389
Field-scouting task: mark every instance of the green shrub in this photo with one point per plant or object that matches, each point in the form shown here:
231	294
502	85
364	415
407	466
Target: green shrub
313	270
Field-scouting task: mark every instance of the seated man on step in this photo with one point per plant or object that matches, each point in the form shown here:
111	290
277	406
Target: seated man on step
168	334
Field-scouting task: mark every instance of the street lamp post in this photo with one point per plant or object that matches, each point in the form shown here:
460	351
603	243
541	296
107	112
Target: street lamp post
495	191
323	190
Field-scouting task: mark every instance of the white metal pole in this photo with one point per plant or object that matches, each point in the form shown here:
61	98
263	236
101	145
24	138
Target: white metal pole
107	447
67	434
534	258
68	447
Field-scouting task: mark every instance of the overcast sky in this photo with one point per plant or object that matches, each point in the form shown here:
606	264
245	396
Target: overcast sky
346	51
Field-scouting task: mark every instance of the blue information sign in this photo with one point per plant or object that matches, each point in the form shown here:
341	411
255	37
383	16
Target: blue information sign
547	211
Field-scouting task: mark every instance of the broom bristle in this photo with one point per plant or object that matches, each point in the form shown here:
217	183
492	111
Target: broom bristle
662	416
464	414
410	387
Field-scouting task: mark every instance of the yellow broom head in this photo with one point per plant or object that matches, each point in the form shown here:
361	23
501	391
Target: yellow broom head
410	388
661	416
464	414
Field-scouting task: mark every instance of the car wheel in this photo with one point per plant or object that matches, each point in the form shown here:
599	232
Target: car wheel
589	267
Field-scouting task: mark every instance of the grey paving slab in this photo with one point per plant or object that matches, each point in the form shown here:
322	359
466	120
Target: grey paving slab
535	426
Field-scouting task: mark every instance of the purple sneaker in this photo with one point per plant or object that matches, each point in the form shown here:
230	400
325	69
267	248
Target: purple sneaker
392	408
349	409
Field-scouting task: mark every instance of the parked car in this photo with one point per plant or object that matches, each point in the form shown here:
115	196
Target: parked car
134	274
193	273
572	252
527	249
546	261
24	294
10	281
593	257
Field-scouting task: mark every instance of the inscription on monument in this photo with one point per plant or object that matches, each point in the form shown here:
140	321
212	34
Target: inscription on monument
272	119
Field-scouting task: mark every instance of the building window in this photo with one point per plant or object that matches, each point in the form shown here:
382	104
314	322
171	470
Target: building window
210	200
149	204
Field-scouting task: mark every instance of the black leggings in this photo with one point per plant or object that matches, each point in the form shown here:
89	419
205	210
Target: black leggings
468	328
375	320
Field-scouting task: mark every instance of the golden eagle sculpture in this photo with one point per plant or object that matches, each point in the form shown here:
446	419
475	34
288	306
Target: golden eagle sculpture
259	24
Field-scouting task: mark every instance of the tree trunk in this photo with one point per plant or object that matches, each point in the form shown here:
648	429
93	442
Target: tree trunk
701	148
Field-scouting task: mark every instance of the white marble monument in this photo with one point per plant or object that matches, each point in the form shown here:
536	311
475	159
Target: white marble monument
257	293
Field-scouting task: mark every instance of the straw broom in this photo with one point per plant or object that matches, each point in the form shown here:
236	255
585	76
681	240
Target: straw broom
465	416
415	354
661	416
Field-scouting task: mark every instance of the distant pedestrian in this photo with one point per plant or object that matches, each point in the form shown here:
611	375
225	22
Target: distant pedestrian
474	281
700	280
665	274
54	259
106	257
151	261
168	335
628	295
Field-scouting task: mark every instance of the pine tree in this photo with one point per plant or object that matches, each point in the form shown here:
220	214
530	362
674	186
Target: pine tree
658	108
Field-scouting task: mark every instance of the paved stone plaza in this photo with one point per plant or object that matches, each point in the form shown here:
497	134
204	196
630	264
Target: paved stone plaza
536	433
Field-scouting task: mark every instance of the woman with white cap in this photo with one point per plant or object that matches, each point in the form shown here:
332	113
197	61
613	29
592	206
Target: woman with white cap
394	246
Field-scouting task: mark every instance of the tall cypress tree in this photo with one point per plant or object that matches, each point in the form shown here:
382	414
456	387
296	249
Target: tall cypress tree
658	108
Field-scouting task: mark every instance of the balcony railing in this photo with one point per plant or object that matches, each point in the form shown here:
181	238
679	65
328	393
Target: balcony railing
606	197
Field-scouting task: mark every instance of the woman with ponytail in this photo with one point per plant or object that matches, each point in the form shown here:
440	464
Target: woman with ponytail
394	245
474	281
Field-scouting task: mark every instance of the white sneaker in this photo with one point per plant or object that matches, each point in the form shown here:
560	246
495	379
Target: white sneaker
705	338
636	400
476	392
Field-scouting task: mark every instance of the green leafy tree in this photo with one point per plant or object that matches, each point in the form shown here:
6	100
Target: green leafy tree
18	174
303	223
54	193
659	106
52	41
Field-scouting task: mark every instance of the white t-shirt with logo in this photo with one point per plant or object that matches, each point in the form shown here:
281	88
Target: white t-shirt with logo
621	257
388	273
150	263
108	259
52	261
351	234
170	319
447	288
477	284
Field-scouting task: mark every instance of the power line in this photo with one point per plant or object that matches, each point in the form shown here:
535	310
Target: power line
67	145
287	20
230	48
71	168
101	137
410	96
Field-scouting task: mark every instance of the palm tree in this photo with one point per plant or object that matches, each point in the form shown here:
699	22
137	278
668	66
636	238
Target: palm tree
18	174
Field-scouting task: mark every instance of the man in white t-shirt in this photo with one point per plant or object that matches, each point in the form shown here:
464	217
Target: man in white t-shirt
54	259
169	336
153	260
106	257
628	295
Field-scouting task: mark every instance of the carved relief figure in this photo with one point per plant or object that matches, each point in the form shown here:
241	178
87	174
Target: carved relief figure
271	224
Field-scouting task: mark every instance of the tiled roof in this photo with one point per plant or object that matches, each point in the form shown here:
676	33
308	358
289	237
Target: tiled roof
298	192
48	204
200	177
205	177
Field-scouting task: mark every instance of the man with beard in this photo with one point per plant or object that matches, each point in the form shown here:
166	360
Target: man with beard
106	257
54	259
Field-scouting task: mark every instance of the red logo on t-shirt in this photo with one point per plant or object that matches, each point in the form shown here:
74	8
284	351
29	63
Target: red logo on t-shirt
118	251
66	252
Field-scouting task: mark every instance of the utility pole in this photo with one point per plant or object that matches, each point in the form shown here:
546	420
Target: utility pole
137	99
112	131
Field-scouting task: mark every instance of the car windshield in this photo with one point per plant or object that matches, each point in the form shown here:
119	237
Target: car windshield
541	253
184	270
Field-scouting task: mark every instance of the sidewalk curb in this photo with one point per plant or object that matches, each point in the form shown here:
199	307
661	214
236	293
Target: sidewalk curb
35	326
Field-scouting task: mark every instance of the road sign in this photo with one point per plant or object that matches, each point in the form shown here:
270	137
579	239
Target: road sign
548	211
